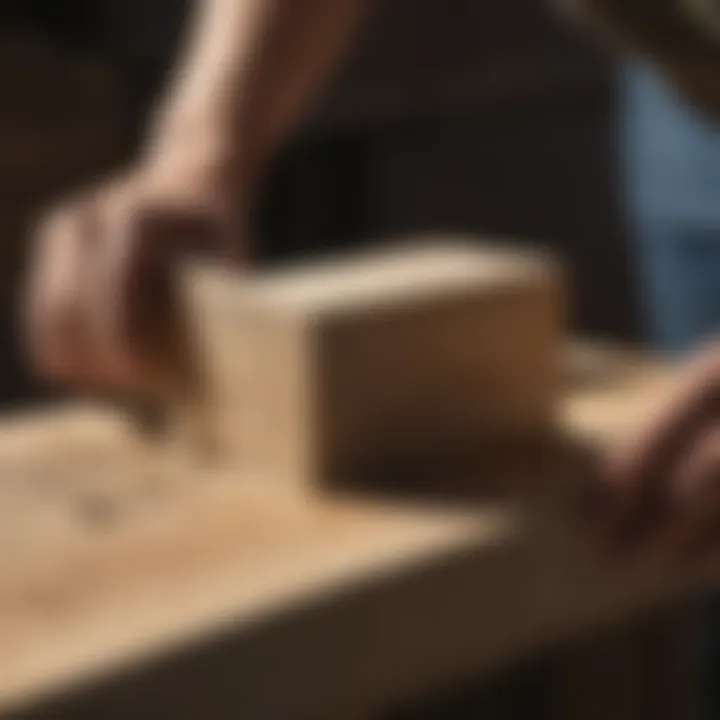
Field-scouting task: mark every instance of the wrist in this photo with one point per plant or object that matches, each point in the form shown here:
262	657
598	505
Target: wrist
203	144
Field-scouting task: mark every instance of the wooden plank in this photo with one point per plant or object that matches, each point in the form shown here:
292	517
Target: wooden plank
133	573
315	603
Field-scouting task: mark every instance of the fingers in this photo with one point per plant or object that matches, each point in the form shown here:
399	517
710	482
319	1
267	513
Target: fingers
695	531
639	471
135	324
58	337
665	482
99	309
116	360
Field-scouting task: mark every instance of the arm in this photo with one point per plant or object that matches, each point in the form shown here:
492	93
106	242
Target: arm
249	74
99	290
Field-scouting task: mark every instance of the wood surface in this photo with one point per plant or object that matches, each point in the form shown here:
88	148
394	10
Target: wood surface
124	566
138	575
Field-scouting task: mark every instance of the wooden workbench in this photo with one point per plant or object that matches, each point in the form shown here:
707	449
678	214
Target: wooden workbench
134	584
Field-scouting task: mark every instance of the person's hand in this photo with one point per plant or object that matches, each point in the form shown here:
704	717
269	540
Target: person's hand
664	483
97	308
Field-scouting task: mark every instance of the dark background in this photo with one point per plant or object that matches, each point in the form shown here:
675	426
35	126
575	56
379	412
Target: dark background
482	116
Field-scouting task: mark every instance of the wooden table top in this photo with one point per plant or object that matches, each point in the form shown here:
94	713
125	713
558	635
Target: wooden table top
116	558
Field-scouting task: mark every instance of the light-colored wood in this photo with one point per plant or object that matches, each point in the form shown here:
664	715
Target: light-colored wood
116	554
326	603
400	357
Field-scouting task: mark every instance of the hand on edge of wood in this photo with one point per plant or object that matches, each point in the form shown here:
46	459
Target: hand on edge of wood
98	310
663	483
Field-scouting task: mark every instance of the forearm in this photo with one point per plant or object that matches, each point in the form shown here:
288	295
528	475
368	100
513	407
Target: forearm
250	71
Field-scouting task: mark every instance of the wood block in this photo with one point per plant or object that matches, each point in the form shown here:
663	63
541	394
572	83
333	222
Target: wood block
418	353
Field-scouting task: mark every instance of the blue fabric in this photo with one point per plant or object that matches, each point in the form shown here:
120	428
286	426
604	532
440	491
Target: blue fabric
671	163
